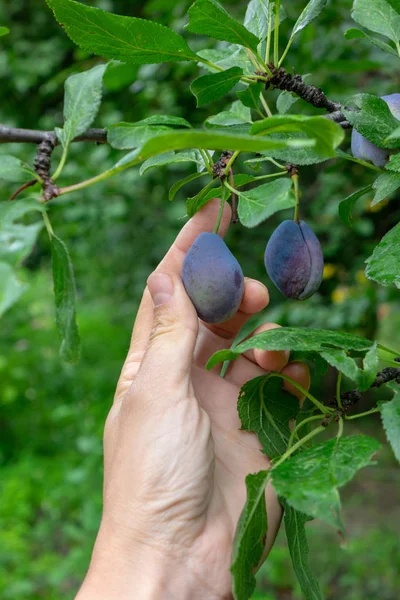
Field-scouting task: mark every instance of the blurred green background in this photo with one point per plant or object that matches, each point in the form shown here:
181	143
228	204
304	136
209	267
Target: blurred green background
52	414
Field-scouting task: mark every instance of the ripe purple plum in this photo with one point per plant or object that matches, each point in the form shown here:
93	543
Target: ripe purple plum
363	149
294	260
213	278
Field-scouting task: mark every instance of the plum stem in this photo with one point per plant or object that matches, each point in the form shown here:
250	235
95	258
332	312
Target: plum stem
221	210
364	414
268	43
234	201
295	179
276	32
318	417
338	390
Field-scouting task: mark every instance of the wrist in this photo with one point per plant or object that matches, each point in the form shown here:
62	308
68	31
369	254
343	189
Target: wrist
121	572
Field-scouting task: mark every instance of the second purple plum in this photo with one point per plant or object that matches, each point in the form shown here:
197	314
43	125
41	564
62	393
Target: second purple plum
363	149
294	260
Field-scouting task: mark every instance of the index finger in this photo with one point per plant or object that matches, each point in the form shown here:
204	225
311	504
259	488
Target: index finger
202	221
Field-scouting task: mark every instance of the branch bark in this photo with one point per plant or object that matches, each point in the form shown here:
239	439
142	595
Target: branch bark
32	136
387	374
282	80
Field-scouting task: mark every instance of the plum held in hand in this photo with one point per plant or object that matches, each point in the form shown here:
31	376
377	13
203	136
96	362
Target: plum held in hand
363	149
294	260
213	278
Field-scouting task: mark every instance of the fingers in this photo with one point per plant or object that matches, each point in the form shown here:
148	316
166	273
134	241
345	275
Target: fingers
164	375
204	220
255	298
257	362
218	336
269	360
301	374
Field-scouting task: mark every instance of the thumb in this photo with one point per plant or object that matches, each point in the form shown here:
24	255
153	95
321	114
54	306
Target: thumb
169	355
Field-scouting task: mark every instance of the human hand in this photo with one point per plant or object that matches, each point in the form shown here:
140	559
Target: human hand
175	457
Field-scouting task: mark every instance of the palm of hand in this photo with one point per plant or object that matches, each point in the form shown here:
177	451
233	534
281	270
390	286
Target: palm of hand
186	489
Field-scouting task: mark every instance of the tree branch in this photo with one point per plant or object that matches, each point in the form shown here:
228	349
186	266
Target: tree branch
32	136
352	397
282	80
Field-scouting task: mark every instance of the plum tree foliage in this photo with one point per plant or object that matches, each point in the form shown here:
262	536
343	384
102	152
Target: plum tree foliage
246	62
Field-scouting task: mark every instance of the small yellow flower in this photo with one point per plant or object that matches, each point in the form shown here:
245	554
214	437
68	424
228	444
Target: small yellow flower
339	295
329	271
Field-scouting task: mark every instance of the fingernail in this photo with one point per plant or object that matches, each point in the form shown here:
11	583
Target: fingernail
161	288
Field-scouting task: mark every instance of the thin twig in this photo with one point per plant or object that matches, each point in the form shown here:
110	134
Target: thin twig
22	188
352	397
234	201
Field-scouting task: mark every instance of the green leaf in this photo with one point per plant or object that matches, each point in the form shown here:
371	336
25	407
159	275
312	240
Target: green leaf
120	75
383	265
390	412
395	4
284	101
265	408
17	239
15	170
206	194
374	119
209	88
385	184
82	101
236	115
195	203
250	97
215	140
310	480
295	338
233	56
168	158
256	18
10	288
346	205
354	33
125	136
377	16
298	547
363	378
208	17
65	294
261	202
165	120
313	9
395	135
248	544
4	31
327	134
394	163
181	182
127	39
296	156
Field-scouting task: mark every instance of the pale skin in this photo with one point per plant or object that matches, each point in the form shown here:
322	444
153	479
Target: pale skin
175	459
